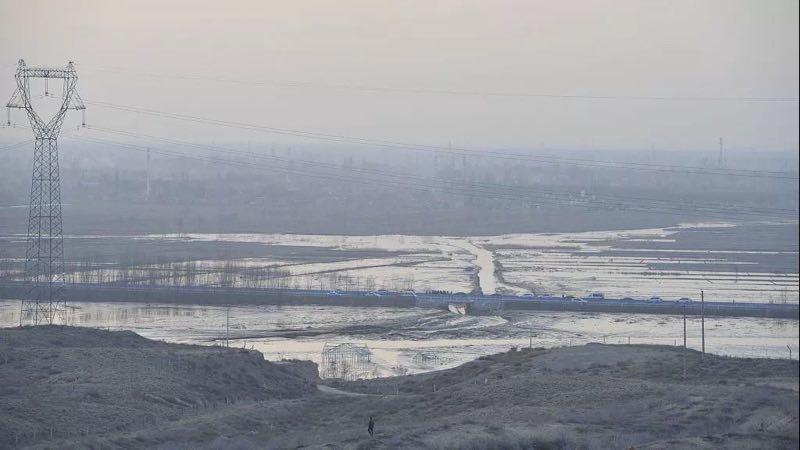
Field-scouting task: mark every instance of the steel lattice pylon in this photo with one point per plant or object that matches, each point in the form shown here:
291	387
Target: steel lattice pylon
44	301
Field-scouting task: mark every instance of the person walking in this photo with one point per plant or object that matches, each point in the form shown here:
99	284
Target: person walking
371	427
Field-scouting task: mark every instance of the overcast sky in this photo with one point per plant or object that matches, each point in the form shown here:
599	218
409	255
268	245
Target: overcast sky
311	65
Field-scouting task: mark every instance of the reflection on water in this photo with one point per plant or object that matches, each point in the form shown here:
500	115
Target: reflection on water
667	262
405	340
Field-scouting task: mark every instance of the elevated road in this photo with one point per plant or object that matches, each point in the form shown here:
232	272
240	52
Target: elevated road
478	304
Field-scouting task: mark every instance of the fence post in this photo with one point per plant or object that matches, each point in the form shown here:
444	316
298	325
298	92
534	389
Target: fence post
702	325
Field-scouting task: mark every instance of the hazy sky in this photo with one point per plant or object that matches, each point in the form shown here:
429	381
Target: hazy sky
297	57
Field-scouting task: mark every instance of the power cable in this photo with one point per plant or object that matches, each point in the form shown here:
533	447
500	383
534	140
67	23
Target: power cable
423	185
649	167
451	92
406	176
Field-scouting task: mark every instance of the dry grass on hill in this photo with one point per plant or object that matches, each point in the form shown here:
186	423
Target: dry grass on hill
101	389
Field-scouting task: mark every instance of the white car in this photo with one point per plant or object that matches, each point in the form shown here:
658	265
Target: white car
655	300
685	300
596	296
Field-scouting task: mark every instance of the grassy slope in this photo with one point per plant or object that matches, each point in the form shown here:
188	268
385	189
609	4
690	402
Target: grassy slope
593	396
77	381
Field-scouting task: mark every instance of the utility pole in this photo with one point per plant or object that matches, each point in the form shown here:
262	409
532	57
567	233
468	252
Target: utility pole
720	159
227	325
147	175
530	335
43	301
684	341
702	324
684	327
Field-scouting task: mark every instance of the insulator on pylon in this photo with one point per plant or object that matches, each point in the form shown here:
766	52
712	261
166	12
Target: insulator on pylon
47	275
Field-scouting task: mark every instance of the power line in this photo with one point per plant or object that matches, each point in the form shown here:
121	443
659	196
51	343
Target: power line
26	142
456	92
492	154
422	184
495	190
273	168
407	176
17	145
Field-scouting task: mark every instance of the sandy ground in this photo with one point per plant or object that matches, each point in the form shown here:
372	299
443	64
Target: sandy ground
77	387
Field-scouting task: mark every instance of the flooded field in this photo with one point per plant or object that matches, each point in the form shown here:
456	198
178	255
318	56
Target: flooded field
417	340
667	262
746	262
730	263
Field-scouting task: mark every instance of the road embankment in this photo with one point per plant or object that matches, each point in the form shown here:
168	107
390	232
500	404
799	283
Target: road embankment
478	304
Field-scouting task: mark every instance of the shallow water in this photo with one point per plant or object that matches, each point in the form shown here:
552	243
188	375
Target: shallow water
417	340
636	263
620	263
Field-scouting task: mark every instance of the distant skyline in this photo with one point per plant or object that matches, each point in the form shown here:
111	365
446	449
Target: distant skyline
521	74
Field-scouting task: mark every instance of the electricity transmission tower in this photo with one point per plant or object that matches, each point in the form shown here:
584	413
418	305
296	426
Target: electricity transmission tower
44	301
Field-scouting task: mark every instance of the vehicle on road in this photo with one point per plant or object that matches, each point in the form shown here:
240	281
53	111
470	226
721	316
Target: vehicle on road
655	300
627	299
596	296
685	300
333	294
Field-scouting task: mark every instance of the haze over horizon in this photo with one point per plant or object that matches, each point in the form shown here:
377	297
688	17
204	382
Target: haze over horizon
526	75
435	224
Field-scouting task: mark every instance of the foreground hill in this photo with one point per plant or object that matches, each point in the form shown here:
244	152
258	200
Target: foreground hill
63	383
116	389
